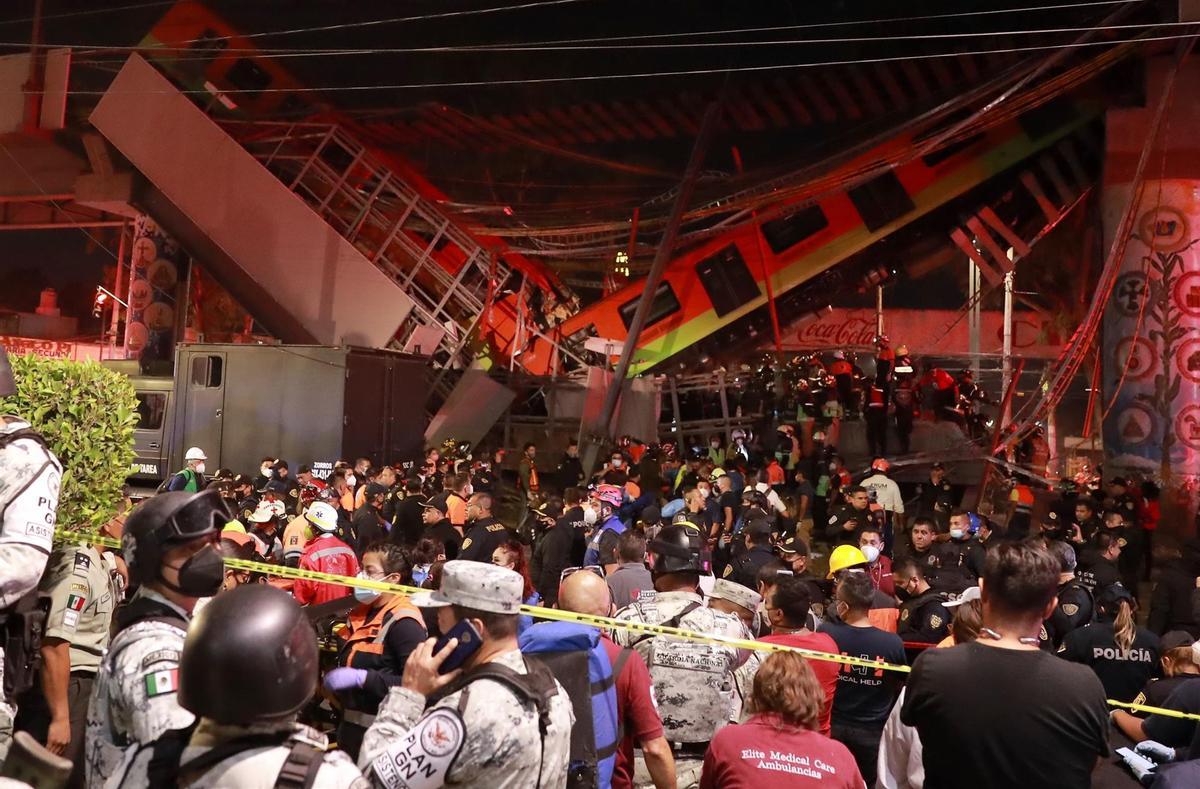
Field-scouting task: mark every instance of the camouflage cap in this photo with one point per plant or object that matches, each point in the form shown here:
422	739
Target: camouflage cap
478	585
733	592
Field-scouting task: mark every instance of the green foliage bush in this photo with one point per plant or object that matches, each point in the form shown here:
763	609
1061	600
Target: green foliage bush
87	415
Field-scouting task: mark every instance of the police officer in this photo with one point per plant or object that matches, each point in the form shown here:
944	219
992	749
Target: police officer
745	566
245	699
170	544
923	618
935	497
960	560
498	720
694	683
83	593
1074	609
1100	569
30	478
852	515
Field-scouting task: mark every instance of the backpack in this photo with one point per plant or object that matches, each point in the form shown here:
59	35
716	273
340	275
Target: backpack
537	687
709	686
577	658
299	770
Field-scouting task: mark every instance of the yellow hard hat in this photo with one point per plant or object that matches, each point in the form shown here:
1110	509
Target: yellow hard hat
845	556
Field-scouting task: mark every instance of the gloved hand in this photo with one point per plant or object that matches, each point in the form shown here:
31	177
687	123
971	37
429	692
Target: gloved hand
345	679
1141	767
1155	751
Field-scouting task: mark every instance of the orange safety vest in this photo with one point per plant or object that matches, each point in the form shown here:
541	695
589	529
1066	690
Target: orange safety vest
369	626
884	618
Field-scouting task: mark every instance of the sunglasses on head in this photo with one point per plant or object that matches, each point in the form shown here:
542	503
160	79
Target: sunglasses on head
569	571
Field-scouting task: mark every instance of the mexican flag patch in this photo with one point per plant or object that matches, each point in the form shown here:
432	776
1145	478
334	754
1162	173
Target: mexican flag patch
160	682
76	602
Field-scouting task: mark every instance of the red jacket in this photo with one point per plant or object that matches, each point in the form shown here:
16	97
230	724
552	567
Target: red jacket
881	575
325	554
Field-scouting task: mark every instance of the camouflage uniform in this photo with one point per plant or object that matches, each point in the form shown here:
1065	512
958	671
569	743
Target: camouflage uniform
134	700
482	734
694	683
30	478
257	768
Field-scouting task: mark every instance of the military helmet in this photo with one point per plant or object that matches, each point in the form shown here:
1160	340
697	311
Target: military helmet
250	657
674	550
168	519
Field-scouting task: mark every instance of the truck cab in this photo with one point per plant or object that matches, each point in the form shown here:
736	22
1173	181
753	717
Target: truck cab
152	434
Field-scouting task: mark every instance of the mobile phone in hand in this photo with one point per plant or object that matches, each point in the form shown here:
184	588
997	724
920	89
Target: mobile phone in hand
469	642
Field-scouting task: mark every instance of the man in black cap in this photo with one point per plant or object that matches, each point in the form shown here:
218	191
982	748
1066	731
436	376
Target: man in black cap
369	525
436	516
407	526
744	567
936	497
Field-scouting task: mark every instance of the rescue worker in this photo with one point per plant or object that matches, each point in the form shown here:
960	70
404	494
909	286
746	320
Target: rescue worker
325	553
496	720
843	375
245	699
84	592
1074	608
170	545
381	633
30	478
191	478
264	528
745	566
486	533
905	398
694	683
923	618
296	535
602	545
876	415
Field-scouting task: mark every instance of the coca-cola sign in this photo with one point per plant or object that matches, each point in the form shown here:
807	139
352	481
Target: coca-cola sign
925	332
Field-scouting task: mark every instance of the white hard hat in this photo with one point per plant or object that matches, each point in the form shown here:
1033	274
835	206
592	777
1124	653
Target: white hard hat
264	512
322	516
195	453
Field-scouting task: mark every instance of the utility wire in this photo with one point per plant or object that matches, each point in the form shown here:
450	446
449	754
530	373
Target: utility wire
90	12
333	89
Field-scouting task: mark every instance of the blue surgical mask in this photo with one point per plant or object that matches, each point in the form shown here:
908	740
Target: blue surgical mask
364	595
956	534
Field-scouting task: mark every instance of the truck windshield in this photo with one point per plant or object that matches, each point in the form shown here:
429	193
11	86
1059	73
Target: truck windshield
151	407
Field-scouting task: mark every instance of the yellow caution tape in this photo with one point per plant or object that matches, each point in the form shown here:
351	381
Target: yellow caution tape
559	615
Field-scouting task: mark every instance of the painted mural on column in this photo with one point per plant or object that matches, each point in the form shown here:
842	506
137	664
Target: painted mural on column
1151	343
158	269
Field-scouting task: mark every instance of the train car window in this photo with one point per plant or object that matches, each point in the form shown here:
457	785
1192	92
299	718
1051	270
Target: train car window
788	231
245	75
207	371
665	304
881	200
727	280
151	407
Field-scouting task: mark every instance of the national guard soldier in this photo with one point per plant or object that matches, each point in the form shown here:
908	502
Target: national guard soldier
245	697
1074	608
496	720
923	617
693	682
83	595
170	544
30	477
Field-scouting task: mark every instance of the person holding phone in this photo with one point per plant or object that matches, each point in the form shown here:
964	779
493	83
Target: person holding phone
472	695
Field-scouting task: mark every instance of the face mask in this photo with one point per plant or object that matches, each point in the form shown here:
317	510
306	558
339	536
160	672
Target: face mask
350	480
200	468
902	593
589	516
871	552
266	471
202	574
716	445
366	595
956	534
616	463
470	490
705	492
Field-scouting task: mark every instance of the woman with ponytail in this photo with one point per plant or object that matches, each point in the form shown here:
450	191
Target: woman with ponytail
1123	655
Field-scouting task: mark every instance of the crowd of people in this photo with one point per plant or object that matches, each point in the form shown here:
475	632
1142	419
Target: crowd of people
846	630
